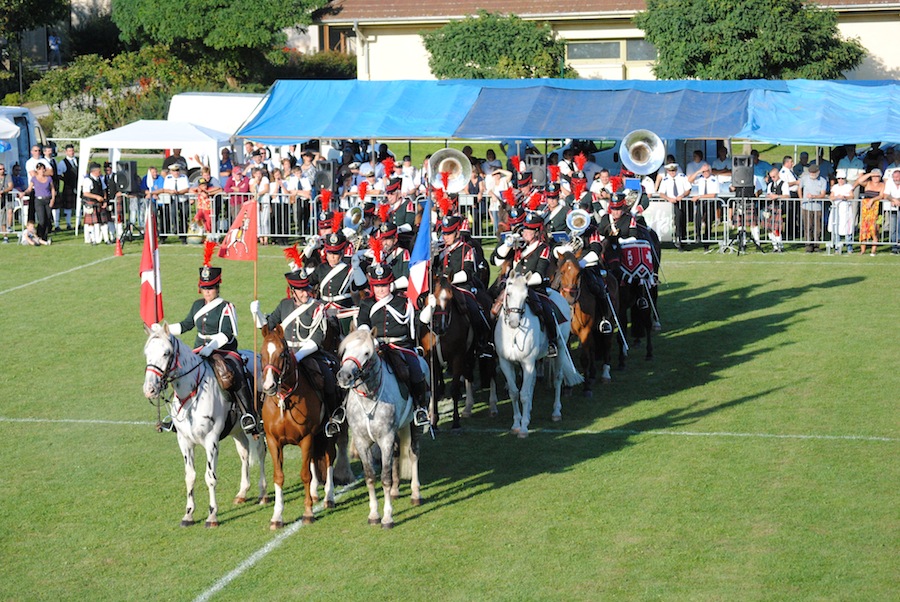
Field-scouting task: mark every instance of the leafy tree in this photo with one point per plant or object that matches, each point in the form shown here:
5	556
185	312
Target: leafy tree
489	46
746	39
23	15
238	36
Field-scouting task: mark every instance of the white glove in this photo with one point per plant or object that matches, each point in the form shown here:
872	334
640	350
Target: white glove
426	313
630	239
310	248
207	349
401	283
534	279
561	250
432	300
459	277
258	318
307	348
589	259
404	228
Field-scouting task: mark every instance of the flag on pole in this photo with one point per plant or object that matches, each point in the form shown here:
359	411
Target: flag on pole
240	242
151	289
420	258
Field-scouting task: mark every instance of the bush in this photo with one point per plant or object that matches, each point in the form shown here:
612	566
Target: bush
291	64
73	124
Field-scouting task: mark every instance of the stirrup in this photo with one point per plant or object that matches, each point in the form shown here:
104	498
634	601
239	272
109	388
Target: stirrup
166	426
339	415
332	428
420	417
605	326
642	303
487	350
248	424
552	351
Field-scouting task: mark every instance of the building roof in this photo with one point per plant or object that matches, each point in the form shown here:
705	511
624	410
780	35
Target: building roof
347	11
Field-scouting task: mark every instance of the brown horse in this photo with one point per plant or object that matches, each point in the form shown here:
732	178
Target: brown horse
587	312
294	412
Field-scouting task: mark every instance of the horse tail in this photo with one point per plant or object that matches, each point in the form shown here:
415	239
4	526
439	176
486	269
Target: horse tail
571	375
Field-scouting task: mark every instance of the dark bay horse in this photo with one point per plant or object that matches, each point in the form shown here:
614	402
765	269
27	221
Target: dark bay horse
448	341
294	413
588	310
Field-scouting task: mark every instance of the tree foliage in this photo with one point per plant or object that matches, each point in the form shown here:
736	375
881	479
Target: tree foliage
236	35
488	46
23	15
746	39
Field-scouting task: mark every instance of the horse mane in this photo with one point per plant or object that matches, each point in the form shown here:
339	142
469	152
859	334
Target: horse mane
353	337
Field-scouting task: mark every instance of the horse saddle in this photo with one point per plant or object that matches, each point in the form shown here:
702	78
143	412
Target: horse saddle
228	368
320	368
394	357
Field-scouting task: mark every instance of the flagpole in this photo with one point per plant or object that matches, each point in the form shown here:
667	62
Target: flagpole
255	335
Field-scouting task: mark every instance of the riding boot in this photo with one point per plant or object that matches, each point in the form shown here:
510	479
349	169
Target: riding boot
550	326
244	399
482	328
419	392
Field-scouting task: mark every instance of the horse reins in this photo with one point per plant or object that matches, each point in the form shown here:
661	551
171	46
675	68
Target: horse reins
166	378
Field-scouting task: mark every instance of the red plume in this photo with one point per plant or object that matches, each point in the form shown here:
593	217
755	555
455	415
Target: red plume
577	188
516	161
337	221
554	172
208	248
445	178
580	160
388	166
375	245
617	183
326	198
383	210
439	196
444	204
535	201
510	197
363	186
293	256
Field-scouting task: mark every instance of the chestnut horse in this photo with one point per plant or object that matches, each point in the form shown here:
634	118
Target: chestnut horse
587	312
294	412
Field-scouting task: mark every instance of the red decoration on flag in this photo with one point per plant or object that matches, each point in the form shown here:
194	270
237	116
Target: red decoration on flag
151	289
510	197
239	243
580	160
375	245
554	172
363	187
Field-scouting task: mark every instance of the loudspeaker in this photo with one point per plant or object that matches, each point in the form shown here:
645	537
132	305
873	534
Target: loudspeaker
127	179
325	178
742	171
537	164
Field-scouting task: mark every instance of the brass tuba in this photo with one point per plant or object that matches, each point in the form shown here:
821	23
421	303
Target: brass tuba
577	222
455	163
642	152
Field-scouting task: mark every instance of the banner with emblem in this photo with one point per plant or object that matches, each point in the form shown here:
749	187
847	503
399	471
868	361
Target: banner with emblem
151	289
239	243
420	258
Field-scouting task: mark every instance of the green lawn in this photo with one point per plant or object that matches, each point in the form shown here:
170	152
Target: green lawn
755	458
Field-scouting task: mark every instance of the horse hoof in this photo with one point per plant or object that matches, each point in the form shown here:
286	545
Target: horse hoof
239	500
557	418
275	525
416	501
187	523
211	524
374	521
263	500
315	499
308	520
329	504
387	525
514	431
523	434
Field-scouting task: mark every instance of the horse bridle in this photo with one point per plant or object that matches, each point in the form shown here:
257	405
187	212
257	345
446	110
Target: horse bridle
165	376
363	368
511	310
279	373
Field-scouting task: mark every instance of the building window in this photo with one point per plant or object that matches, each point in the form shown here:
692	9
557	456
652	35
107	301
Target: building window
611	50
341	39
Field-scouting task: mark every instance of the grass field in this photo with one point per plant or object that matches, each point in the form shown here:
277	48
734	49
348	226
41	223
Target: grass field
756	458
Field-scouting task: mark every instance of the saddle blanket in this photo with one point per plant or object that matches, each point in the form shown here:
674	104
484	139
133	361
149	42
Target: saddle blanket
637	261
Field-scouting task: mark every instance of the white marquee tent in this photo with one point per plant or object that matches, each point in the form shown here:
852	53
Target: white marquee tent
154	134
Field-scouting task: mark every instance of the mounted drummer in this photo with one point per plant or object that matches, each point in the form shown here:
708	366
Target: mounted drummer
216	322
531	257
303	319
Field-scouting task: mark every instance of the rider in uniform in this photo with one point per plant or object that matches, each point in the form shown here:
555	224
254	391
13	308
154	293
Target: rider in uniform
393	255
303	319
216	322
332	278
531	258
456	262
392	318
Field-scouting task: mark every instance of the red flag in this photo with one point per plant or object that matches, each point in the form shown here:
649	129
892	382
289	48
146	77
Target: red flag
151	290
240	242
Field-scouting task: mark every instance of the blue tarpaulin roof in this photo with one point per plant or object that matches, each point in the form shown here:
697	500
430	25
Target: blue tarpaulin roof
795	111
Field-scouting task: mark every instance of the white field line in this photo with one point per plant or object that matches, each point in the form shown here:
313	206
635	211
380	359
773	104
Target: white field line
614	432
87	265
261	553
751	261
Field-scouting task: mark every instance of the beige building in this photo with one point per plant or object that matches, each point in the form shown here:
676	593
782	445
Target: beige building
601	40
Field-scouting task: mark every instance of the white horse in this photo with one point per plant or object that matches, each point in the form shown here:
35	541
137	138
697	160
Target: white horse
520	341
378	415
201	413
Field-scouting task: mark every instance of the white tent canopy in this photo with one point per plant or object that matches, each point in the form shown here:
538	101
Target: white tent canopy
8	129
154	134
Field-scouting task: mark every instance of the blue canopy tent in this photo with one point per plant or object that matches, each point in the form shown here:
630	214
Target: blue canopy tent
790	112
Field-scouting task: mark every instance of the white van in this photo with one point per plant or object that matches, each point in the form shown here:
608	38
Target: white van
17	149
